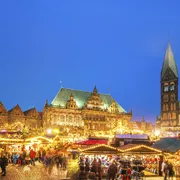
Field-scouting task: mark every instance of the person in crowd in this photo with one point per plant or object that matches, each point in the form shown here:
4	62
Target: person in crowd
87	165
3	163
163	166
112	171
32	155
168	171
15	158
99	164
128	173
94	167
171	171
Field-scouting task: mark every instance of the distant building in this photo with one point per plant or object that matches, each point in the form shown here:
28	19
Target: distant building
72	114
141	127
124	139
169	120
82	113
16	119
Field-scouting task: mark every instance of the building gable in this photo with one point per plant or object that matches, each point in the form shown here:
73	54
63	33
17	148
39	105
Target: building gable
32	113
16	111
2	108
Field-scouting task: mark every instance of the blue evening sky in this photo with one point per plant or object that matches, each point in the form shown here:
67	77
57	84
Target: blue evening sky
117	45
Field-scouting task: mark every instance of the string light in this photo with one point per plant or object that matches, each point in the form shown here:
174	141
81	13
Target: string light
99	145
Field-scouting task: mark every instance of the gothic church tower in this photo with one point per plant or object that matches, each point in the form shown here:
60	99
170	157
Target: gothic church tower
169	94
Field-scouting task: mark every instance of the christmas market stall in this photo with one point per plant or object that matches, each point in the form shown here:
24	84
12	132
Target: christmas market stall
100	152
143	158
171	150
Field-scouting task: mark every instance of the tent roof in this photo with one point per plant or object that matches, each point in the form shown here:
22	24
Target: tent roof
171	145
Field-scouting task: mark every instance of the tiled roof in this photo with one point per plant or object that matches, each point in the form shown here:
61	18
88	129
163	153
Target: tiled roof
27	111
81	98
168	144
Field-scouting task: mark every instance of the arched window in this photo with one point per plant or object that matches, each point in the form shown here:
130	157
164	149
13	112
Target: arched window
165	98
164	107
174	115
169	115
172	97
164	116
166	88
174	106
172	86
167	108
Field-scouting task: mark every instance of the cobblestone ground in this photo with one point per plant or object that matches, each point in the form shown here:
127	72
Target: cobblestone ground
29	172
39	172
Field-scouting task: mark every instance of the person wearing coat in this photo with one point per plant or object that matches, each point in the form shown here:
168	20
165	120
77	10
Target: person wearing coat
3	163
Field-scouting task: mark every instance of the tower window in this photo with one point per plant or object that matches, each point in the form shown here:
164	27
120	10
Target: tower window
165	88
166	98
172	87
172	97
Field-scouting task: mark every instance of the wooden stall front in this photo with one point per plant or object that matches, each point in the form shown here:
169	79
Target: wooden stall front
142	155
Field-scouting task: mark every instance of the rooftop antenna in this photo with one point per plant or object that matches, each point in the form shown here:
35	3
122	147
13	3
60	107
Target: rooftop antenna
61	84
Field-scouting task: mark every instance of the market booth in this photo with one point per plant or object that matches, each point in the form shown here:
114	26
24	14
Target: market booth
171	148
143	158
103	152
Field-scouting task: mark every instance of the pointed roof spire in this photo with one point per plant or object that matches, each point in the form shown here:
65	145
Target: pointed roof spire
95	91
169	62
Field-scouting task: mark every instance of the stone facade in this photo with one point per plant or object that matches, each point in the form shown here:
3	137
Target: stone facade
72	113
85	114
142	127
169	121
15	119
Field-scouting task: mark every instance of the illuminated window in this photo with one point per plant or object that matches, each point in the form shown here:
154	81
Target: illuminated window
167	108
172	106
174	115
164	116
169	115
172	97
165	98
164	107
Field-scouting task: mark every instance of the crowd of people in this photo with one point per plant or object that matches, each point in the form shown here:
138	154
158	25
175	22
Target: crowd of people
112	169
50	157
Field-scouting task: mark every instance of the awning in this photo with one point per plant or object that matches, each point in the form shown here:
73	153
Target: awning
92	142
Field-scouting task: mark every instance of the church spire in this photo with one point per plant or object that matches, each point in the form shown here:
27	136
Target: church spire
169	62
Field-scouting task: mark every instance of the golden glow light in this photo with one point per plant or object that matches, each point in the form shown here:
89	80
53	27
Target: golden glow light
99	145
144	146
157	133
56	131
49	131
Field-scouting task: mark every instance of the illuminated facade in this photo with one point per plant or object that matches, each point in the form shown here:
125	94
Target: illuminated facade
142	127
72	114
169	121
15	119
79	113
